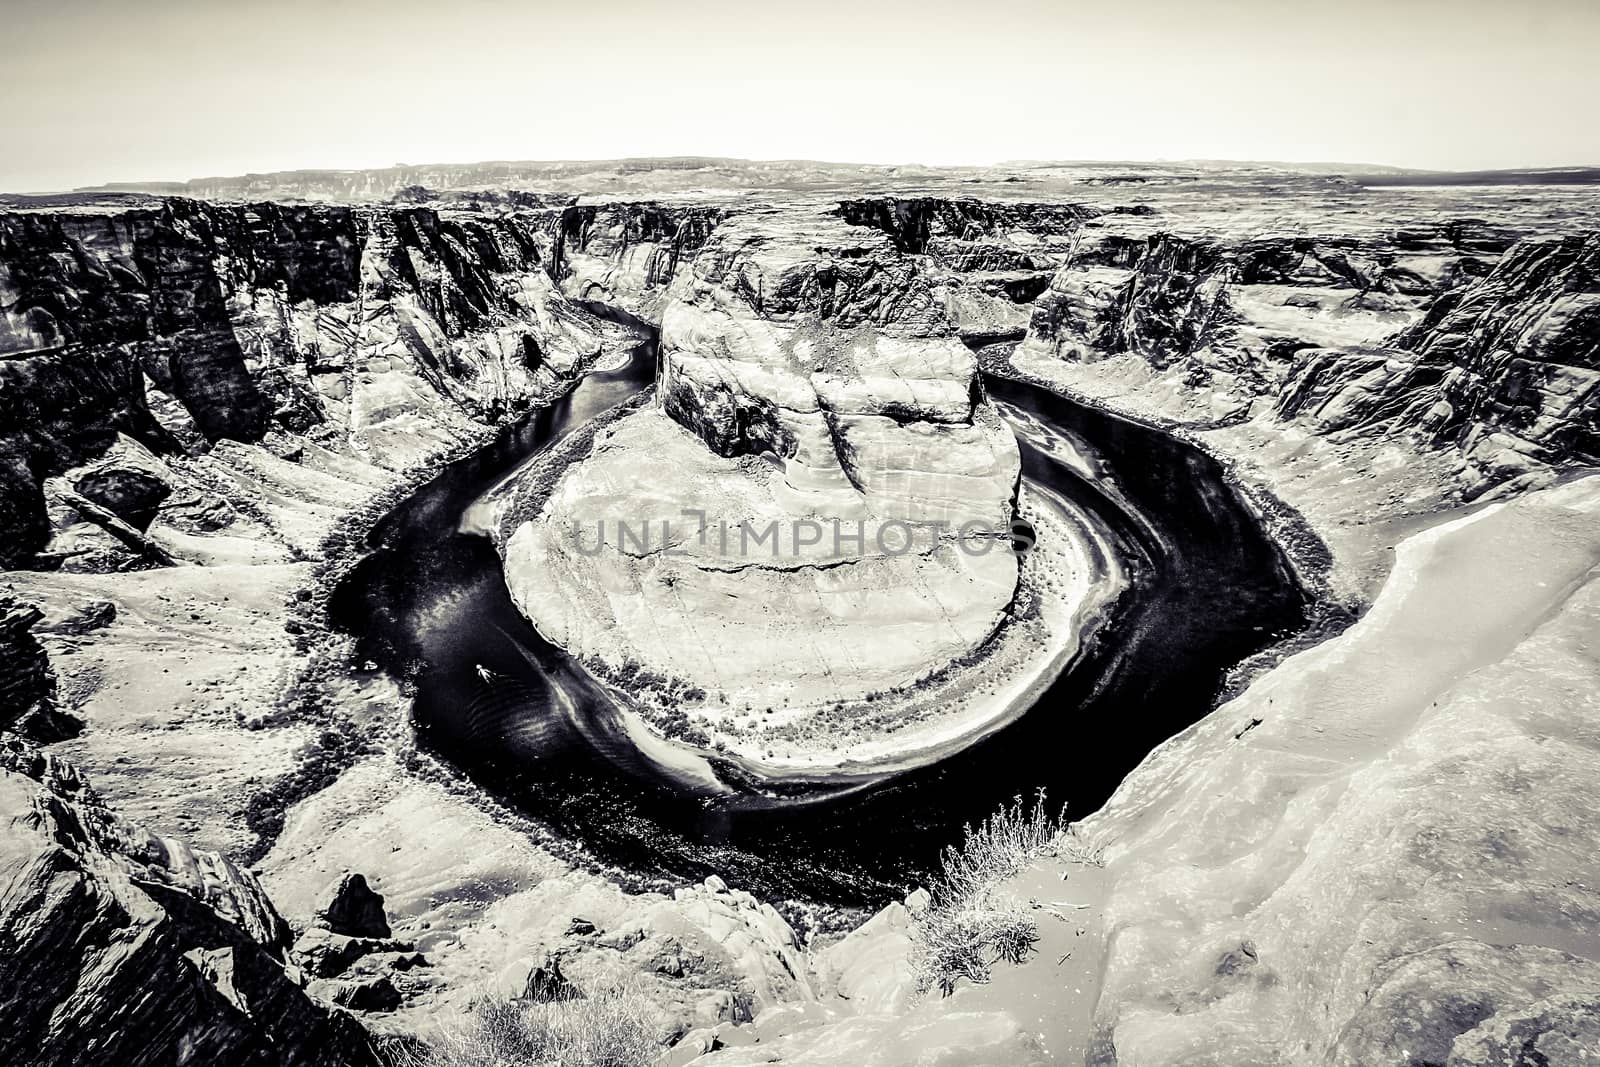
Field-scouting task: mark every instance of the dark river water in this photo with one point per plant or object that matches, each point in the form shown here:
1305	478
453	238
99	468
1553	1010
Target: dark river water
1208	588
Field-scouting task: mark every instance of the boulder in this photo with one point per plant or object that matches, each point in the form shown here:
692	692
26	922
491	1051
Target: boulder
376	994
546	983
1561	1031
129	482
325	954
351	908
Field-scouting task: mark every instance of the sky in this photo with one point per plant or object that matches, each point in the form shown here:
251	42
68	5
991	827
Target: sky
136	90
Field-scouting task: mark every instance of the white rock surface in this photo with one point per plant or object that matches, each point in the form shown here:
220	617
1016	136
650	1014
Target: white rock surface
818	346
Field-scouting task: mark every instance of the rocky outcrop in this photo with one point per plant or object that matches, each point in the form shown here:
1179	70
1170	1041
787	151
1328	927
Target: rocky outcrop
27	684
124	947
385	335
867	1010
353	909
1236	308
990	259
1379	853
626	254
1441	332
1396	823
966	233
1506	369
808	373
348	952
488	910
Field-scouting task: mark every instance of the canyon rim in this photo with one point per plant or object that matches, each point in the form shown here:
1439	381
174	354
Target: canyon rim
694	609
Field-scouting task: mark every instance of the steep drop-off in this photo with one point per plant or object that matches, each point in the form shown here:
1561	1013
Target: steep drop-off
1507	370
349	343
1444	334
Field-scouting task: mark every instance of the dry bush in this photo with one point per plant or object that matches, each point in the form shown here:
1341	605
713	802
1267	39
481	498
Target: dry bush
970	924
616	1028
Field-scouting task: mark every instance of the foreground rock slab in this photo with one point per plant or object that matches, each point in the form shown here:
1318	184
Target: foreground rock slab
122	947
1397	824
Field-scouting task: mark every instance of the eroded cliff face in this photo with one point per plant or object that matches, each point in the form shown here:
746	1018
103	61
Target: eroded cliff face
215	384
989	259
122	947
1241	306
1507	369
1440	333
626	254
353	343
1382	851
808	372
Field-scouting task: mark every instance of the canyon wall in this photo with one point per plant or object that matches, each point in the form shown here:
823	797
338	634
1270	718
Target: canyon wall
1456	335
1383	851
335	338
1507	369
989	259
626	254
204	383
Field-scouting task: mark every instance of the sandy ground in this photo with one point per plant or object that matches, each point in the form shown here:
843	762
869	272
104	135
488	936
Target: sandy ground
171	689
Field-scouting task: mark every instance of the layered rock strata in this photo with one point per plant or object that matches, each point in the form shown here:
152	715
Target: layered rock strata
808	374
1442	333
128	948
626	254
1507	369
347	343
1382	852
990	259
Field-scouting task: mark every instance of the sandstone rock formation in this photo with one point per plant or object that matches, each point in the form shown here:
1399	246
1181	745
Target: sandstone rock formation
353	909
989	258
627	254
1242	305
1376	858
1396	822
381	337
1444	333
128	948
1380	853
867	1011
27	684
808	374
1507	369
487	907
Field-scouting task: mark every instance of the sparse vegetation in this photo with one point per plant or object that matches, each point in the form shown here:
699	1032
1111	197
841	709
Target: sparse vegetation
971	923
615	1028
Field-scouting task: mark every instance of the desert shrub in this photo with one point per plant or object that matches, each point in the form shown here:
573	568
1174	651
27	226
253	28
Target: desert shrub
615	1028
970	924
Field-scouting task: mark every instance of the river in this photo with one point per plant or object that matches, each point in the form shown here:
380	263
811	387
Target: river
1208	588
